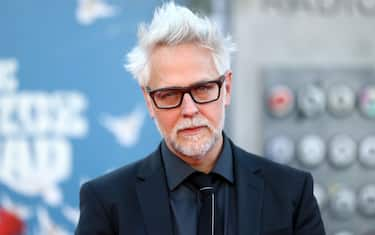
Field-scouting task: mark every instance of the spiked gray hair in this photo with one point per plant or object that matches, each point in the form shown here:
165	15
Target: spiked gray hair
174	25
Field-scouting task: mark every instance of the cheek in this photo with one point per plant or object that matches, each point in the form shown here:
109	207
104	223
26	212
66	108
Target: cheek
167	119
214	113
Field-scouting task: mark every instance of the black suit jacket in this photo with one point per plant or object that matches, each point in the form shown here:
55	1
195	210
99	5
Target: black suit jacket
271	200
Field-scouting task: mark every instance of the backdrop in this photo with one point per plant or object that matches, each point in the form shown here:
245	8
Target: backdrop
68	110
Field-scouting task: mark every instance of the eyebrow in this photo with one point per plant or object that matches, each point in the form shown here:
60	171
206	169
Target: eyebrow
183	87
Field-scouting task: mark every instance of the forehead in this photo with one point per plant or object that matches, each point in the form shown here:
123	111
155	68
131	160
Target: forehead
181	65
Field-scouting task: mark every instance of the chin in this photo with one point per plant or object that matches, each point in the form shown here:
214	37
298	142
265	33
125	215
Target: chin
195	147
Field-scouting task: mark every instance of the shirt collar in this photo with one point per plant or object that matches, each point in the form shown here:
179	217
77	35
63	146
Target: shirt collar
224	164
177	170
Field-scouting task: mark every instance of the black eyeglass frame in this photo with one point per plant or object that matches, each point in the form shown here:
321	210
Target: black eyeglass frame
185	90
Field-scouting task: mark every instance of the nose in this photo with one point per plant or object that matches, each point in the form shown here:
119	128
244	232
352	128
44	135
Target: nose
189	107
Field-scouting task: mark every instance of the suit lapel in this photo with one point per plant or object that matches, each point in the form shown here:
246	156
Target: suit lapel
153	196
250	189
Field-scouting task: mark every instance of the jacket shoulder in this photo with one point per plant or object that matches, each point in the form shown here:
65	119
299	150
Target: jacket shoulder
271	171
119	181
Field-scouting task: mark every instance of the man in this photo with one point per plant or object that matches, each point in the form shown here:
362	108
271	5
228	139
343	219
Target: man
197	181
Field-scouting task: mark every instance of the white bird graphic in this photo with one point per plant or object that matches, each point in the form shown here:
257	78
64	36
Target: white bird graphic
89	11
126	128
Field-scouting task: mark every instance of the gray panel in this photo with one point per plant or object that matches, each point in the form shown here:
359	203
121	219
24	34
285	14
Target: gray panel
346	203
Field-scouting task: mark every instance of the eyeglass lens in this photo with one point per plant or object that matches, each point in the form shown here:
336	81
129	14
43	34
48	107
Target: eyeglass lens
201	94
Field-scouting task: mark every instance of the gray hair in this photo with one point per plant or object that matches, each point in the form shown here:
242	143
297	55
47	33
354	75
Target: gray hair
173	25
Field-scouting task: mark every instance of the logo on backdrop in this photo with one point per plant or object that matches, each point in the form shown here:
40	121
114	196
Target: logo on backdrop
35	132
36	128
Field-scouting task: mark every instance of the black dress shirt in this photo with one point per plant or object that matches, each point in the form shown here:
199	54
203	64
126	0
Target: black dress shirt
184	199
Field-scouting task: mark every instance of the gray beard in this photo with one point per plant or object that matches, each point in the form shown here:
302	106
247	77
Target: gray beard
195	148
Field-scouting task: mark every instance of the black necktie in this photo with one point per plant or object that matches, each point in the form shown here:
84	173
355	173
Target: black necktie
206	218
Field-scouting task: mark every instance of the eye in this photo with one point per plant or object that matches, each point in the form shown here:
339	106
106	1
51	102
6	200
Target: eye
202	88
205	87
166	94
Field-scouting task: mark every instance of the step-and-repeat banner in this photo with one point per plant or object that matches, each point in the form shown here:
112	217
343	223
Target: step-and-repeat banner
68	110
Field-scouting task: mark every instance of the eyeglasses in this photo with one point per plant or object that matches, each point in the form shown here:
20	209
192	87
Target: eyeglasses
201	93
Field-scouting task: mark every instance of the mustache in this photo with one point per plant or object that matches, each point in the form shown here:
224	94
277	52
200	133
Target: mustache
191	123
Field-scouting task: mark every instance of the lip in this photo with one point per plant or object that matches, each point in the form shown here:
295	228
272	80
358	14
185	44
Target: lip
191	130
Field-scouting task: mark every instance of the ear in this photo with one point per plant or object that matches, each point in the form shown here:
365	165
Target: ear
149	103
228	87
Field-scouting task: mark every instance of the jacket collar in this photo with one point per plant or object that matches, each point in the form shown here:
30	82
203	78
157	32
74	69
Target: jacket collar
152	192
249	192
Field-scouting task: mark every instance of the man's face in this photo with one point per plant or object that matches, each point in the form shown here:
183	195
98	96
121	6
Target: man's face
190	130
